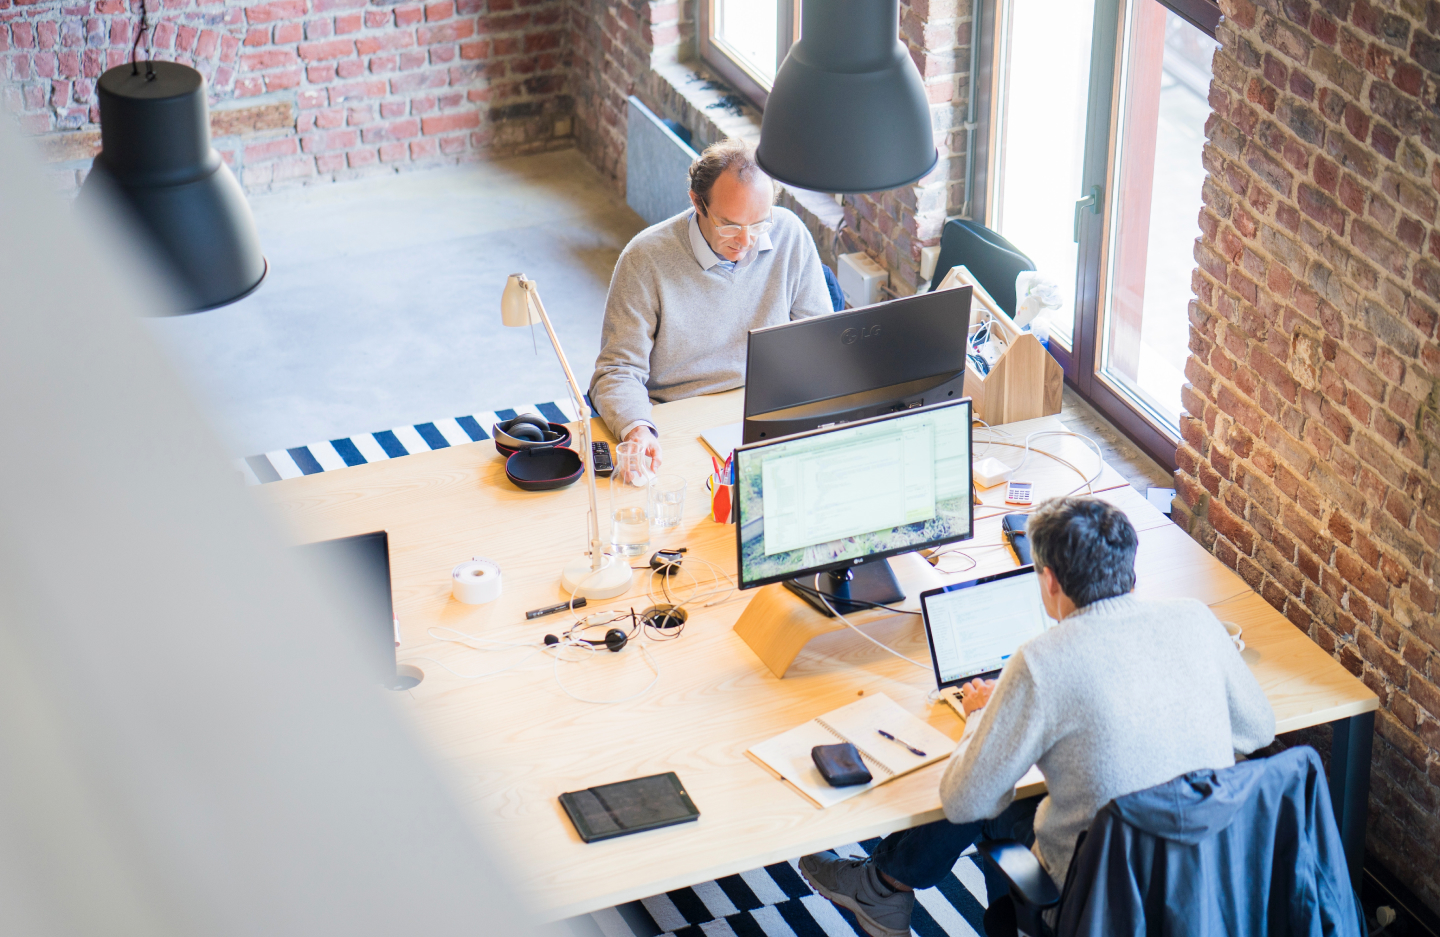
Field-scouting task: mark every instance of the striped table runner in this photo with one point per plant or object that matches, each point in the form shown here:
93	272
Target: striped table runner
393	443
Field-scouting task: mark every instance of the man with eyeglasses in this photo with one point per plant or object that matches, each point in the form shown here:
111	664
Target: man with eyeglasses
687	291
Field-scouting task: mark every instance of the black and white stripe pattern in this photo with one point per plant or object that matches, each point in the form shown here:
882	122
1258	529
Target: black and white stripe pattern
334	454
776	902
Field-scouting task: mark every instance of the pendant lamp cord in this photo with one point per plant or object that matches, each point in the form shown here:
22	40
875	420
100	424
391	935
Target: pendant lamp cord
135	49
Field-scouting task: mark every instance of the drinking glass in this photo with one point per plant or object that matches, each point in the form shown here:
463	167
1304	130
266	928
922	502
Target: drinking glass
629	501
667	500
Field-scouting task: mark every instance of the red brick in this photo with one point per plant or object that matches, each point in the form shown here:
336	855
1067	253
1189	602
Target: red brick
271	58
358	158
276	10
445	123
448	32
286	33
270	149
435	12
328	50
408	16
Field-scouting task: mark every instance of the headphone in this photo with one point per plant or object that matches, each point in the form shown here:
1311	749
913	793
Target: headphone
529	427
614	640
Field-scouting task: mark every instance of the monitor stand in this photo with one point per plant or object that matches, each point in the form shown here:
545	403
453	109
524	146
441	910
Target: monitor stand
873	582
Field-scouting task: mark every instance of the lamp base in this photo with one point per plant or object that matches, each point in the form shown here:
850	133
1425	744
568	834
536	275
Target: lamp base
611	579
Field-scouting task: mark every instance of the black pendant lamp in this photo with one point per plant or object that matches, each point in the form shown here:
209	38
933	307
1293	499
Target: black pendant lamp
156	156
848	111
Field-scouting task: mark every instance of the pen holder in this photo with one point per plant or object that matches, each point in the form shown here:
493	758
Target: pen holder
722	501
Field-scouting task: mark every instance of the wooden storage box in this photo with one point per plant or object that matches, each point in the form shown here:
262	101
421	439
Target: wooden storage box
1025	381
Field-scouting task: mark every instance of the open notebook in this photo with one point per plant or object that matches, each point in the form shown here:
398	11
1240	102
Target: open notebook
787	755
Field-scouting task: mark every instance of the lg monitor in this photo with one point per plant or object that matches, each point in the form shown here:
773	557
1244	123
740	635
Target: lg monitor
363	563
852	365
822	510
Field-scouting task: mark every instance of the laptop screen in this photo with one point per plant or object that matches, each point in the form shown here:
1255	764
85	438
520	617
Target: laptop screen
975	626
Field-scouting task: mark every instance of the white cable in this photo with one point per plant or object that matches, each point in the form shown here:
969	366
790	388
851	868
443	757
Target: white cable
650	662
851	626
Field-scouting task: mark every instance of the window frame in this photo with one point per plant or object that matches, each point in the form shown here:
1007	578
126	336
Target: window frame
729	66
1082	360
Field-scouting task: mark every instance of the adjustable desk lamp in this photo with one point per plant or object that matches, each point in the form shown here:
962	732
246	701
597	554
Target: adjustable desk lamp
600	575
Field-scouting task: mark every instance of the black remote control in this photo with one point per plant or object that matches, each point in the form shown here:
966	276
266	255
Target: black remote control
600	452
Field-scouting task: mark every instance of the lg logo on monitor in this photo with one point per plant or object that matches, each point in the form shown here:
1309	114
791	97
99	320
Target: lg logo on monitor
851	336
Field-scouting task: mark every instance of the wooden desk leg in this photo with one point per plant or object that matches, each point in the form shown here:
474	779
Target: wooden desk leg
1350	785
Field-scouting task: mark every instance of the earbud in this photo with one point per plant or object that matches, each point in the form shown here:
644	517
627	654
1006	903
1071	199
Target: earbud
615	639
551	640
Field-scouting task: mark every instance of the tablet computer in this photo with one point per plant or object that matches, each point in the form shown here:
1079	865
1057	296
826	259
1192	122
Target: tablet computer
629	806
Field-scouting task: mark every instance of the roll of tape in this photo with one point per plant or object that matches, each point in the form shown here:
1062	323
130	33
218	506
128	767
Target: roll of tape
476	582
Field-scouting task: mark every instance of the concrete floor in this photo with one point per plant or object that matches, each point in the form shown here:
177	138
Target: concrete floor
382	306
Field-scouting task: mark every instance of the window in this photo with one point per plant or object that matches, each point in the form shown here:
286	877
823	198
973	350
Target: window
1090	163
746	40
1164	88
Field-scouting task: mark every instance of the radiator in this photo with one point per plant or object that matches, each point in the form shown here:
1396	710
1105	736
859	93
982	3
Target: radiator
657	165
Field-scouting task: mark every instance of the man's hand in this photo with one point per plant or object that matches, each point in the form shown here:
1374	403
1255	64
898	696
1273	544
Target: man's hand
975	694
649	444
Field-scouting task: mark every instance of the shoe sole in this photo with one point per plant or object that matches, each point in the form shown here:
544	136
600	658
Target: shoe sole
871	926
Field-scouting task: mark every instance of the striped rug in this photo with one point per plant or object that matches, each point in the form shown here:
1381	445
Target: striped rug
776	902
392	443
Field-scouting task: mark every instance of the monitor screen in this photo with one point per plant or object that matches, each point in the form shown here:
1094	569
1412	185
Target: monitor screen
361	564
838	496
856	364
975	626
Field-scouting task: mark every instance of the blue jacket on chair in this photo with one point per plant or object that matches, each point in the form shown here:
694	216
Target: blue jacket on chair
1251	849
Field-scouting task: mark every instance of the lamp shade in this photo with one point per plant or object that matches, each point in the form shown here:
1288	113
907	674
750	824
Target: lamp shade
515	308
848	111
156	155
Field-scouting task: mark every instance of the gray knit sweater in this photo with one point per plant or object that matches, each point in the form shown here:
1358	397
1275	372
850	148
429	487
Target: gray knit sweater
1122	695
674	329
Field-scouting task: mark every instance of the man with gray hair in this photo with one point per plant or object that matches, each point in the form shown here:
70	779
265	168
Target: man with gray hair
687	291
1123	694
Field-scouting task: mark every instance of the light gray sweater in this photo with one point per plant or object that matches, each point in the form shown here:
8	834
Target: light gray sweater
1122	695
674	329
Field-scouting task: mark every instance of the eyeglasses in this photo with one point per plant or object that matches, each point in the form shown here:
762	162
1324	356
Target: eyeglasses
735	230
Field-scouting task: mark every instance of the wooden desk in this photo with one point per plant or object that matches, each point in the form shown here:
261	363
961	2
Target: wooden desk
514	741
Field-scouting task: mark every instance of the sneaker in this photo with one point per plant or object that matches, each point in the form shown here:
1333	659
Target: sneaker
856	884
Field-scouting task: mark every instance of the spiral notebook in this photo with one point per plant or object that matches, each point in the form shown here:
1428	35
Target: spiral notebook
787	756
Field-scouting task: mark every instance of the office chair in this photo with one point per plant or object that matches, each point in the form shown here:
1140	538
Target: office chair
1251	849
832	285
994	261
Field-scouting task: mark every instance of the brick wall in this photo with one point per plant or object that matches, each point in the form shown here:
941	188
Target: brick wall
1311	460
306	89
647	49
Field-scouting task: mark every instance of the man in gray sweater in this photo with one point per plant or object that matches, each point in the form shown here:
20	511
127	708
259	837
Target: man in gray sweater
1121	695
687	291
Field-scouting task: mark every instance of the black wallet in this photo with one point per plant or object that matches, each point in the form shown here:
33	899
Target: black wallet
840	765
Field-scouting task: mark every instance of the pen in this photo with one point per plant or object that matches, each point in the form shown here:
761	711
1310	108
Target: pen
898	741
552	609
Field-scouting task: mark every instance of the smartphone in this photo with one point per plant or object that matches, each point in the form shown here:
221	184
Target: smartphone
1013	526
612	810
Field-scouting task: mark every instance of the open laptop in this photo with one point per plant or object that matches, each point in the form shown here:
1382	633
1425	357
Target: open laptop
974	627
